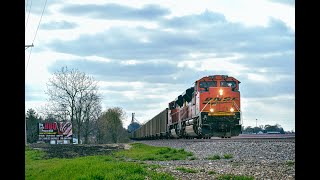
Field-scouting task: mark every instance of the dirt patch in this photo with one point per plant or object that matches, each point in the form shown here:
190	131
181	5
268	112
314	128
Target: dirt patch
77	150
127	146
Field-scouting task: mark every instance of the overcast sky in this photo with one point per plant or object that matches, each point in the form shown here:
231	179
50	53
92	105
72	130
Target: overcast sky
146	53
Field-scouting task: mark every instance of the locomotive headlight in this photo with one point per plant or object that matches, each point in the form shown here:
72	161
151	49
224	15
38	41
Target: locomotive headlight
211	110
231	109
221	92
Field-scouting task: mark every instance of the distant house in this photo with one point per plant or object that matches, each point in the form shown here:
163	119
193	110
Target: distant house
273	132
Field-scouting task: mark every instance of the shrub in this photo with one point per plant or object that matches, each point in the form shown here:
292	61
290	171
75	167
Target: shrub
183	169
214	157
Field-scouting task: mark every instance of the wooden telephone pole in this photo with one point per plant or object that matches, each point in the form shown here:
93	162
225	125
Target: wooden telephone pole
25	118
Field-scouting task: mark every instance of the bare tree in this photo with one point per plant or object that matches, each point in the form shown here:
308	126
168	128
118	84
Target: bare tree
91	111
53	112
72	94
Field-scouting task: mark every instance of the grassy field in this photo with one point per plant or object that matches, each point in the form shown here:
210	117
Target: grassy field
119	164
125	164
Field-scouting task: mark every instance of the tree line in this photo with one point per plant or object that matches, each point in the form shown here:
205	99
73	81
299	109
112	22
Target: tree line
263	129
74	96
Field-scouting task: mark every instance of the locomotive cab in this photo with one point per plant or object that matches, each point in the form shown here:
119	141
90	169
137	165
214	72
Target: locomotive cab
219	104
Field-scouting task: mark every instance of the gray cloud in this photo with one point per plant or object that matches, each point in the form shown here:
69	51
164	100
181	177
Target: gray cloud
286	2
127	43
37	7
281	63
58	25
116	11
177	78
272	49
254	89
109	71
113	69
204	19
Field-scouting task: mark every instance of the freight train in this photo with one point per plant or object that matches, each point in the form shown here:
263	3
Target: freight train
210	108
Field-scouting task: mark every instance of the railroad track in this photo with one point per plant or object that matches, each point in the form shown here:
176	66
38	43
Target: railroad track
265	136
243	139
250	137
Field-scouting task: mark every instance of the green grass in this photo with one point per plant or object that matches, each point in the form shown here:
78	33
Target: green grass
290	163
111	167
187	170
234	177
212	172
152	166
33	155
227	156
144	152
214	157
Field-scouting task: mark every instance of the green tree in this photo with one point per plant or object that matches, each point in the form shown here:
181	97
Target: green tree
110	127
248	129
32	120
257	129
274	128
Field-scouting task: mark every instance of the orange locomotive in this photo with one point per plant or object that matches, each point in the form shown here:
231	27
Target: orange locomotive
211	108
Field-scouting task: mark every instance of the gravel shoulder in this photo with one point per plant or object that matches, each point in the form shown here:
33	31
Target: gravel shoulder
261	158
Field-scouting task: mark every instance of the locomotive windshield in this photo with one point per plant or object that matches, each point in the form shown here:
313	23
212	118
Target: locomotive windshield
206	84
228	84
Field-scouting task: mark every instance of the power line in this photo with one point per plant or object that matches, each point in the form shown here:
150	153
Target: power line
25	10
27	46
133	118
39	21
28	17
137	120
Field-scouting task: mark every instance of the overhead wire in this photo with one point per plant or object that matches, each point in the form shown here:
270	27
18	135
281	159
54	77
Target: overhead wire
25	10
36	32
39	21
28	16
137	120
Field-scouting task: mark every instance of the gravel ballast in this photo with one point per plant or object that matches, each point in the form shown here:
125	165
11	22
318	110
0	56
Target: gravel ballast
260	158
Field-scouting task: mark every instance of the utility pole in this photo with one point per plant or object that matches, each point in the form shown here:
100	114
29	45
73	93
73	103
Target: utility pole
27	46
25	118
25	130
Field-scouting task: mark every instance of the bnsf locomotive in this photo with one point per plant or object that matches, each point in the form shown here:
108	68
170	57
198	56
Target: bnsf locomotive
211	108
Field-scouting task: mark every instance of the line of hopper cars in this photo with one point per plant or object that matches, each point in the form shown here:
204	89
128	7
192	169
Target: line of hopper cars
211	108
